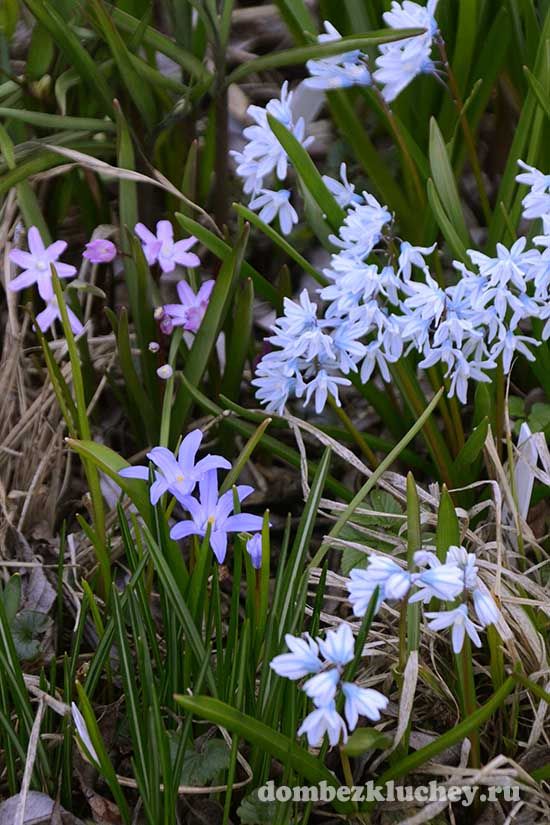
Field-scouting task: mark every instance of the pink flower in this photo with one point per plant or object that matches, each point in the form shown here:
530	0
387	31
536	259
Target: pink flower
36	264
100	251
162	247
51	314
190	312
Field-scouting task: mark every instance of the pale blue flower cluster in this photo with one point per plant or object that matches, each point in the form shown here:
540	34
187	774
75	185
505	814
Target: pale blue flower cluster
455	579
339	71
324	661
397	64
374	314
264	157
400	62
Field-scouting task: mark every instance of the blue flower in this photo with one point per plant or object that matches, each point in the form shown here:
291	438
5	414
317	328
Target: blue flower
214	511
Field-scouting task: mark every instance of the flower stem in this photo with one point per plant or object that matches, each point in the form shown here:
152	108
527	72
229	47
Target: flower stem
354	432
407	157
468	137
466	672
500	406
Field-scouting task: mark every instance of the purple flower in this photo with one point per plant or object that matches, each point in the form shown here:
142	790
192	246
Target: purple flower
190	312
215	512
177	476
254	550
51	314
162	247
100	251
36	264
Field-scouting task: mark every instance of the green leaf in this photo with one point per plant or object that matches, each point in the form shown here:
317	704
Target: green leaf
456	245
539	417
270	741
203	763
239	340
159	42
473	447
75	54
9	13
205	339
44	120
11	596
297	17
444	182
110	463
366	739
281	242
223	251
26	628
253	811
40	54
538	89
301	54
308	174
448	528
139	92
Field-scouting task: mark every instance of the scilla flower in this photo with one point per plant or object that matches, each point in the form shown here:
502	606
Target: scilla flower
461	625
326	686
382	572
274	204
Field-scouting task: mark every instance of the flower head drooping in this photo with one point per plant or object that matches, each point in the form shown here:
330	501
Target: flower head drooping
264	157
192	307
342	190
339	71
461	625
337	651
456	577
177	475
213	512
382	572
100	251
276	204
163	249
536	204
36	265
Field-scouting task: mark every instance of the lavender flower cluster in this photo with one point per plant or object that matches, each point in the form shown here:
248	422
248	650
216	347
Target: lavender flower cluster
159	248
212	514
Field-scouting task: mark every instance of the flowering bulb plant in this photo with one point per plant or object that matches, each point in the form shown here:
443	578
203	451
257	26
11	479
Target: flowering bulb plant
282	464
